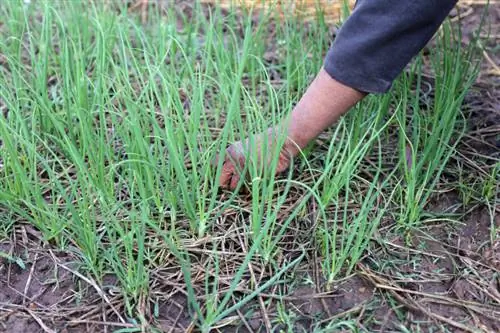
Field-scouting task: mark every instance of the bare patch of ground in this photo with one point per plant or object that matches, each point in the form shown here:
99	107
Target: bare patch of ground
40	291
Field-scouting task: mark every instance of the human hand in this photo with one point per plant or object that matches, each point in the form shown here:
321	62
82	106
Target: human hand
236	154
320	107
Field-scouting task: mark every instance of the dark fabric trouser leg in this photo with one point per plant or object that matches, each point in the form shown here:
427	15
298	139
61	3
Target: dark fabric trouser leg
380	38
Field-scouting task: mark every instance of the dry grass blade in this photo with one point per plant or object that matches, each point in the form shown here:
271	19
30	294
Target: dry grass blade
39	321
92	283
267	322
174	324
358	308
496	69
245	322
102	323
384	284
306	9
30	277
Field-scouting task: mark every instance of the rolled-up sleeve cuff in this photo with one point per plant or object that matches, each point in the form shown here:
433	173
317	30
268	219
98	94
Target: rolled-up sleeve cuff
355	79
380	38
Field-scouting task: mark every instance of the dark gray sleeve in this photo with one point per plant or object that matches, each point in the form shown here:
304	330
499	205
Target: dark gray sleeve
380	38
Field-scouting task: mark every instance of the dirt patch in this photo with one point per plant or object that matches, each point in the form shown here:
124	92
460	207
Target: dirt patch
40	293
415	286
433	283
173	315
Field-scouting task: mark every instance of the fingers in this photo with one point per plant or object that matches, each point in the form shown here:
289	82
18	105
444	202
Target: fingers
229	177
226	174
234	163
234	181
230	174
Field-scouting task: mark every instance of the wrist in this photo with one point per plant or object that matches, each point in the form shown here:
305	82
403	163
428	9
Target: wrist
324	102
297	139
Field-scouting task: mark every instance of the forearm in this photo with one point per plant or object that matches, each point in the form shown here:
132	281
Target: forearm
373	46
324	102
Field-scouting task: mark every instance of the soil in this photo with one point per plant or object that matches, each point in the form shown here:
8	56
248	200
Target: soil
444	277
456	264
42	296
